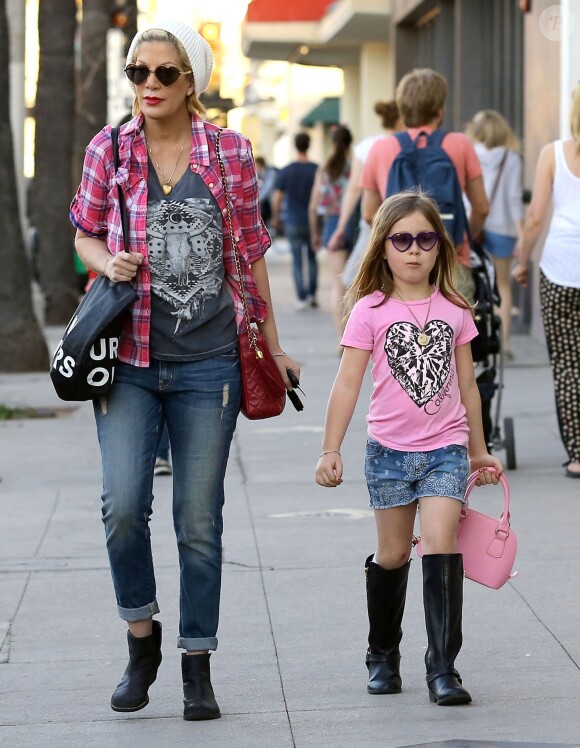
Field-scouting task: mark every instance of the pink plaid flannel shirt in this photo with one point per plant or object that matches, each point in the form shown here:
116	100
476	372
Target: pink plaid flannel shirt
95	211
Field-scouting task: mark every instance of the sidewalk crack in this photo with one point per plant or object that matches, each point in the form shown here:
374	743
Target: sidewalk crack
263	583
545	626
48	523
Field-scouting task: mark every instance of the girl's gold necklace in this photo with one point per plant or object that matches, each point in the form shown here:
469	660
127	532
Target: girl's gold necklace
422	338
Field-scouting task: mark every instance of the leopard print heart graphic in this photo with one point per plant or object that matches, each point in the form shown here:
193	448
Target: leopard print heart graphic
420	370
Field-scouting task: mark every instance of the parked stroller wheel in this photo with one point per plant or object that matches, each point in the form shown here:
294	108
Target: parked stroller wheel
509	443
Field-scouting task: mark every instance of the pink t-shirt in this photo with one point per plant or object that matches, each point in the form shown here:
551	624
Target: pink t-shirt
416	404
455	144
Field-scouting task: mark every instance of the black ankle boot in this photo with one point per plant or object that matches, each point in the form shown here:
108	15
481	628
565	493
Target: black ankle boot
443	601
144	660
386	592
199	700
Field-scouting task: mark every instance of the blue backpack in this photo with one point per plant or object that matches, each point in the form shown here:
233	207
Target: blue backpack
431	169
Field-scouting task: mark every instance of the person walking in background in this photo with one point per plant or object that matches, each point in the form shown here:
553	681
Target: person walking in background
293	186
162	461
178	352
498	151
326	197
425	432
391	121
266	180
557	186
421	96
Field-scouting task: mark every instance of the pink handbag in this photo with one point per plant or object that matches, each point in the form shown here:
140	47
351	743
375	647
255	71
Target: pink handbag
488	545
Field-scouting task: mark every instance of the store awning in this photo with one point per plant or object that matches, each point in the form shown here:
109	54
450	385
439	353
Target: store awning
326	112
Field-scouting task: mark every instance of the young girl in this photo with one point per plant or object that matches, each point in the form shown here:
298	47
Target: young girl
424	432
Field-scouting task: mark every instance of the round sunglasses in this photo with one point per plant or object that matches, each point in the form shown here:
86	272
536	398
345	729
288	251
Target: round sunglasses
167	76
403	241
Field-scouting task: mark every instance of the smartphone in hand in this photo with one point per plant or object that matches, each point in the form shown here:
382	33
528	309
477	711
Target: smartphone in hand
292	395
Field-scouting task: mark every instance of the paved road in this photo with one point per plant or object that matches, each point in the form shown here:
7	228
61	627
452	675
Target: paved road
290	667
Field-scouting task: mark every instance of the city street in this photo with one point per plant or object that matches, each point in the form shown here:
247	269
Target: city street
289	670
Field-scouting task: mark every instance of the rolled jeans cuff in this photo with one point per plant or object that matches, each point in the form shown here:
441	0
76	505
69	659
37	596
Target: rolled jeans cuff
138	614
197	645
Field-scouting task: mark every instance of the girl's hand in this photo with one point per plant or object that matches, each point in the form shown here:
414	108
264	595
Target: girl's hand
481	462
329	470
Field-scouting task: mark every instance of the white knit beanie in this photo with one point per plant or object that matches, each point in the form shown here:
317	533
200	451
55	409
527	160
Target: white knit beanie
197	48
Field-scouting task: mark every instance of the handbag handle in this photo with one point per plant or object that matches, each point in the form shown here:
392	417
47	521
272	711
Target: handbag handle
498	177
122	208
504	519
249	329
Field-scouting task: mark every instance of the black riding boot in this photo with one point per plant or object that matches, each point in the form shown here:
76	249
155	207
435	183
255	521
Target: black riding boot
386	592
199	700
144	660
443	601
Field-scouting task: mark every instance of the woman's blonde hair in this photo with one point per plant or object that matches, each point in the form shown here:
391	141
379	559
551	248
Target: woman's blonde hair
575	116
374	273
194	105
492	129
421	96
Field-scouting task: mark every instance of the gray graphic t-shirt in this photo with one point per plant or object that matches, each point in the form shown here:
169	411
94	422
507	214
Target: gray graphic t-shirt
192	313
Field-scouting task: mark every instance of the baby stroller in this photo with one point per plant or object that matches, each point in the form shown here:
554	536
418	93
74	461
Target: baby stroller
487	351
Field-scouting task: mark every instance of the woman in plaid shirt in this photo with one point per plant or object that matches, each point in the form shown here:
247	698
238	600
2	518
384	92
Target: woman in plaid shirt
178	358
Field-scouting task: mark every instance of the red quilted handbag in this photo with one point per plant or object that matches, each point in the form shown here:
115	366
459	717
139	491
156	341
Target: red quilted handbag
263	389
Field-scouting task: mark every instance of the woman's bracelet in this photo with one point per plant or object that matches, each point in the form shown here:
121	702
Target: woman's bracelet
282	353
329	452
105	268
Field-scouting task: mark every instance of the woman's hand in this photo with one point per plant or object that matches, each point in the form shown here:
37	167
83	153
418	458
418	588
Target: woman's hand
336	241
285	362
481	463
123	266
520	274
329	470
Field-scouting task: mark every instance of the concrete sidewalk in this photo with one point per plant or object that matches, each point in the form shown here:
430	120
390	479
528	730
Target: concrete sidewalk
290	669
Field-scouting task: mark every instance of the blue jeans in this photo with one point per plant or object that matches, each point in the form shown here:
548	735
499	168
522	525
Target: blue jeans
200	402
299	238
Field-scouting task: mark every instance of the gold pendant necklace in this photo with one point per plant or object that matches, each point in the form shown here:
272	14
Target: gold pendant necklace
166	186
422	338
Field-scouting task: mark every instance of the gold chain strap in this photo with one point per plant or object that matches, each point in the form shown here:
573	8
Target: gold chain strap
249	329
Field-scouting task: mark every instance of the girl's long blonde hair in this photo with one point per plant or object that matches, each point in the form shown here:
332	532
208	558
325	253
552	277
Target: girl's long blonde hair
374	273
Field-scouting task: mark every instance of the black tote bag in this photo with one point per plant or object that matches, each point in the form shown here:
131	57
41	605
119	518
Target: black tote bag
83	365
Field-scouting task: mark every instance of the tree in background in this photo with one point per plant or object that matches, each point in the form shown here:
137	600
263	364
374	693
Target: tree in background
52	188
92	78
22	345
